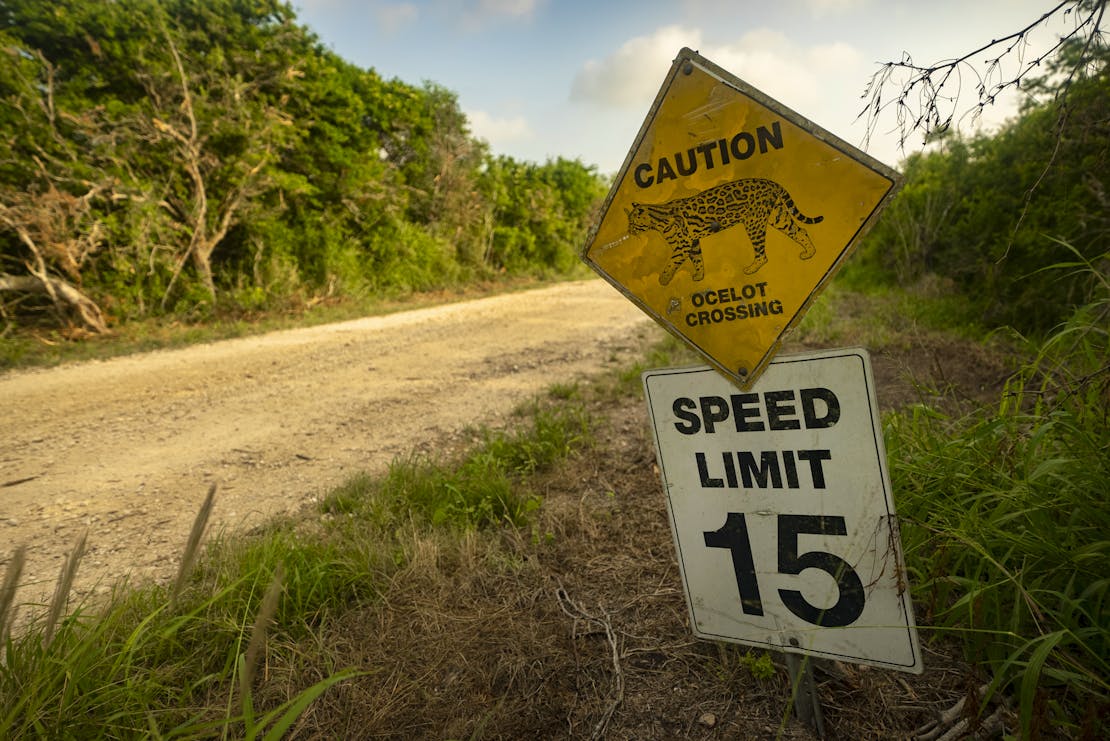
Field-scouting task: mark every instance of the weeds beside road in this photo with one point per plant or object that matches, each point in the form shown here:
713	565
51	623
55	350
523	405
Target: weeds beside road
526	587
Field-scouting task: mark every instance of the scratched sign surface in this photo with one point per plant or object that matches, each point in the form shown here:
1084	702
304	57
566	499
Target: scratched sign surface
781	509
729	215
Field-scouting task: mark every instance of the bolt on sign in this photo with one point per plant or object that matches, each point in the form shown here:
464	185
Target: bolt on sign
780	506
729	215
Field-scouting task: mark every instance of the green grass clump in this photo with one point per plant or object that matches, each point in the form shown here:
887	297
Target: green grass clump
480	489
1007	528
876	315
143	666
185	660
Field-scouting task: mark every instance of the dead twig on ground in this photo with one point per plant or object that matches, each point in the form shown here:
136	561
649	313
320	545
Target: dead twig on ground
955	722
577	612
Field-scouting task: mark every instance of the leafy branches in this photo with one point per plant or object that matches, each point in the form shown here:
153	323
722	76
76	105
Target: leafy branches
987	213
168	156
55	229
191	144
48	204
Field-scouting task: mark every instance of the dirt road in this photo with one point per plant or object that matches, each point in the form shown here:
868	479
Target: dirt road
126	449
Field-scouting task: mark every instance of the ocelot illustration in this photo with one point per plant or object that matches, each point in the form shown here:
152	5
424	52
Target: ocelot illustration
754	202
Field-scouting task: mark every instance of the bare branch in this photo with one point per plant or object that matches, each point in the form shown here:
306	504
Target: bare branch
62	293
58	235
927	98
187	102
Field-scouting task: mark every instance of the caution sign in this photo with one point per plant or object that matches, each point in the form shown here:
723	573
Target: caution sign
781	509
729	215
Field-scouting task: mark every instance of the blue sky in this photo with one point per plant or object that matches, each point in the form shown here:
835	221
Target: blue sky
540	79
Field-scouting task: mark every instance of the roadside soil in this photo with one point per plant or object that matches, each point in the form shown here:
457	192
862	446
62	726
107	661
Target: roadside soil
126	449
574	628
577	627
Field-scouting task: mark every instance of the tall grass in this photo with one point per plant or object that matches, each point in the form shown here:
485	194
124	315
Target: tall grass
147	663
1007	526
193	659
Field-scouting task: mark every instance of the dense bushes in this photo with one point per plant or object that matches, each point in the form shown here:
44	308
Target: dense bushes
989	213
163	156
1003	511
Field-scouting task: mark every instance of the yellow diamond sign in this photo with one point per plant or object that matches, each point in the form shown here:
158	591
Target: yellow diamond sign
730	214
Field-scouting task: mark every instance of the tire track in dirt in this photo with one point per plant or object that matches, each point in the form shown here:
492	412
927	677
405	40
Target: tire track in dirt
125	449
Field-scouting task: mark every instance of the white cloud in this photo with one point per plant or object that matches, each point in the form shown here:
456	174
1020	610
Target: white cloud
498	131
478	15
839	55
815	8
814	80
768	61
793	74
822	8
765	59
630	77
396	16
514	8
822	83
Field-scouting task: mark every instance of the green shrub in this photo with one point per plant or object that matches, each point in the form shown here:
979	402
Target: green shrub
1007	528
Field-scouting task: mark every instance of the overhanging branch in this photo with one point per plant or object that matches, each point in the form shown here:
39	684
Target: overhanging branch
927	100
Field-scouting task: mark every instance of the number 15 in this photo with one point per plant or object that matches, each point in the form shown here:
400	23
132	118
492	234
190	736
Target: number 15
733	536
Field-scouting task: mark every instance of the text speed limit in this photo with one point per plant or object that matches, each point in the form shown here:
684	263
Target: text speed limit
781	510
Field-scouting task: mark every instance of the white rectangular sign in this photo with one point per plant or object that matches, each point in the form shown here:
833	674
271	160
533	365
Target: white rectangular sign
781	510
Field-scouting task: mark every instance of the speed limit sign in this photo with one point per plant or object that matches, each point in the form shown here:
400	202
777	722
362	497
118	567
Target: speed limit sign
781	510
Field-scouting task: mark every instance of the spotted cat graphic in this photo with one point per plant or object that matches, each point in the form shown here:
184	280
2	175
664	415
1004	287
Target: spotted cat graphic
754	202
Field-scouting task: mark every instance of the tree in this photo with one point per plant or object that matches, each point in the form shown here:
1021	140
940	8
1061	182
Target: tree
158	155
541	213
47	210
333	188
216	146
448	182
169	110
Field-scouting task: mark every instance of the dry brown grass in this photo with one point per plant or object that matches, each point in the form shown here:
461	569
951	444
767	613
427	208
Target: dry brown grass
579	629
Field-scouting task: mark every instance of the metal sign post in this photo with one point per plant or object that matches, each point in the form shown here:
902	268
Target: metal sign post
807	706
